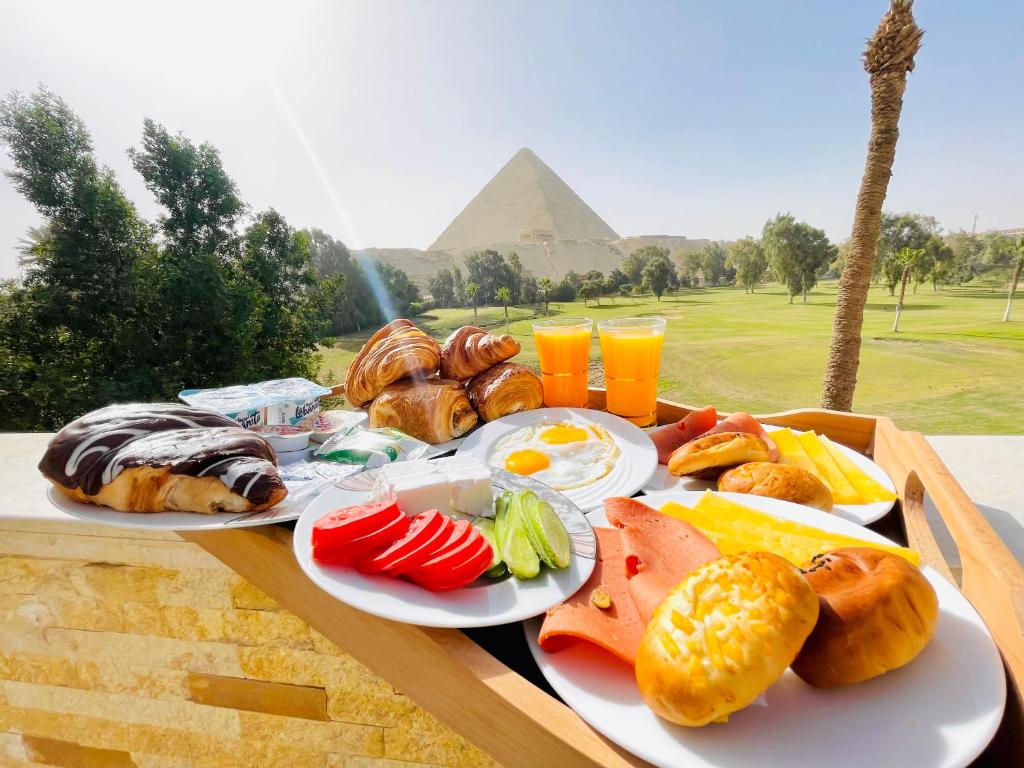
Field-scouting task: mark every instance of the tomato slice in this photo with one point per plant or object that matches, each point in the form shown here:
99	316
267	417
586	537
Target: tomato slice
333	531
427	531
452	573
344	552
458	534
454	552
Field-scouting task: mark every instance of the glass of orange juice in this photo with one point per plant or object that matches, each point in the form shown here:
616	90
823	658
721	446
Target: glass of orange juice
563	345
631	348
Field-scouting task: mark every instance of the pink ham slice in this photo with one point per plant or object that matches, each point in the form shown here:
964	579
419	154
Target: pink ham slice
744	422
618	628
659	551
669	437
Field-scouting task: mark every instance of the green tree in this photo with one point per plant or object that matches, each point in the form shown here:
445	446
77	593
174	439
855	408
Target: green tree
472	292
657	274
353	306
1018	251
442	287
907	259
634	264
747	257
529	290
713	259
940	257
796	252
898	231
489	270
402	291
504	295
590	290
546	287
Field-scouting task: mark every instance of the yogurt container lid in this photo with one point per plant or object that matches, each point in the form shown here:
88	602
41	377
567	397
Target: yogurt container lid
242	397
292	389
283	430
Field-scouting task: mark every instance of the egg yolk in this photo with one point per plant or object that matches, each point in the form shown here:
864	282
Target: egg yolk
563	433
526	462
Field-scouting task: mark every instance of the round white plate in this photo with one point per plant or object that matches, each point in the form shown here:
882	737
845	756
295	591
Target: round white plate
862	514
940	711
484	603
635	465
172	521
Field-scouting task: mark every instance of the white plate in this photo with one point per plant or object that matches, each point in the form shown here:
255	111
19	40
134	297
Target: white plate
862	514
941	710
484	603
632	471
172	521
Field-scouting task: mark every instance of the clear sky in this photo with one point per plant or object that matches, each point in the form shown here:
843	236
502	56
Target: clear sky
378	121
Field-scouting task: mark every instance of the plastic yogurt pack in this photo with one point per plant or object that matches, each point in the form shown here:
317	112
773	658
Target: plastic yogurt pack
292	401
243	403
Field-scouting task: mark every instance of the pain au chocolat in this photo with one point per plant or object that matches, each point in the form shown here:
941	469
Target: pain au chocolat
163	457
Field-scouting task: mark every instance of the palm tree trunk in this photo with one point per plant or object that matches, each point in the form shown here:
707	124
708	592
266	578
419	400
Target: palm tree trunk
1013	289
899	302
506	318
887	60
474	312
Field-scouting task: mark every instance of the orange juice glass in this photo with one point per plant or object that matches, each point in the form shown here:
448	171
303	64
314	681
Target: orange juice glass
631	348
563	345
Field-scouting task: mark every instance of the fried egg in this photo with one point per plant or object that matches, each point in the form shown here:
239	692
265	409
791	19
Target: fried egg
562	454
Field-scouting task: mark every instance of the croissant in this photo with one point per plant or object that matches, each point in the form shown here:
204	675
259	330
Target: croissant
163	457
471	350
397	350
503	389
433	410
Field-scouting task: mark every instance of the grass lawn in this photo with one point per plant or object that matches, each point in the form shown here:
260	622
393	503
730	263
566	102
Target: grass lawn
954	368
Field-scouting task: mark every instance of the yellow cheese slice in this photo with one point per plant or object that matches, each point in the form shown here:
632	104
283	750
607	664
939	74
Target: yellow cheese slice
869	489
791	452
735	528
842	490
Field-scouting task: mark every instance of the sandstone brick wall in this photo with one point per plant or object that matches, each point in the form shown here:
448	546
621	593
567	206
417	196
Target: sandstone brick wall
122	651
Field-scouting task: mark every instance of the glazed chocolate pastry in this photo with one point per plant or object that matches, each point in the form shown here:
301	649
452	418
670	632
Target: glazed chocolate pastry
158	457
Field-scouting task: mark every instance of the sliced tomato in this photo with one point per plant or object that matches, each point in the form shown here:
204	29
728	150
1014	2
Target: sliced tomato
427	531
345	551
449	572
454	552
459	532
333	531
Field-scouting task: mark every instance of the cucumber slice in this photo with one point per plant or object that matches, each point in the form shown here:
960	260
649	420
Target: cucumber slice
486	528
501	514
546	531
516	549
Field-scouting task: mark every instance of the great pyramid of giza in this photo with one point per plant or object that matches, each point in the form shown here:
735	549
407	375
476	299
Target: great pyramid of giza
525	202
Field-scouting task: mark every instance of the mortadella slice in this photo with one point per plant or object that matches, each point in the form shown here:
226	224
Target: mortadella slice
660	551
744	422
616	628
694	424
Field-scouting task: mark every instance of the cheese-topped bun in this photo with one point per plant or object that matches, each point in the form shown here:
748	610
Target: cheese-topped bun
778	481
707	457
722	636
878	612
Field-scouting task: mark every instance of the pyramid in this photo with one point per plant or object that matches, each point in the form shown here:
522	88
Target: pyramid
526	202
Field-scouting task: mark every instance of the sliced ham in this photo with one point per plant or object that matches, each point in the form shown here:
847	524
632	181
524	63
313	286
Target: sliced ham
618	628
744	422
659	551
692	425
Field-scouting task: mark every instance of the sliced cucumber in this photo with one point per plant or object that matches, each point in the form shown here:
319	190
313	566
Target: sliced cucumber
486	528
501	514
516	549
546	531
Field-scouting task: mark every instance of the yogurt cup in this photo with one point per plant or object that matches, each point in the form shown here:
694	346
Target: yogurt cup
292	401
243	403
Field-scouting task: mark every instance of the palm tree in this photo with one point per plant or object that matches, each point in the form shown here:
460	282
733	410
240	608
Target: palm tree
472	289
504	296
888	59
906	258
545	288
1014	280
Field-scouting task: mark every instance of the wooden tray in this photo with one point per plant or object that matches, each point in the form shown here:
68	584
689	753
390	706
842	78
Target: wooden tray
494	704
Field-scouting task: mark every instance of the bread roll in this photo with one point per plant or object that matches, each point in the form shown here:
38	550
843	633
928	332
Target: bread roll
433	410
503	389
777	481
722	636
708	456
397	350
470	350
163	457
878	612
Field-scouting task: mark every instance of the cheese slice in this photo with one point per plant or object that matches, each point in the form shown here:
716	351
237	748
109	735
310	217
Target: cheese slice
843	491
735	528
791	452
869	489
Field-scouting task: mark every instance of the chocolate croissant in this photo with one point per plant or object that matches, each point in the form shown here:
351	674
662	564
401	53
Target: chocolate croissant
433	410
163	457
503	389
397	350
471	350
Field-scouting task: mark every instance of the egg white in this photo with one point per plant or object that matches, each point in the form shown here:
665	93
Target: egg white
572	465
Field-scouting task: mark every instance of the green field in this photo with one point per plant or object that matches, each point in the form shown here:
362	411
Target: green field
954	368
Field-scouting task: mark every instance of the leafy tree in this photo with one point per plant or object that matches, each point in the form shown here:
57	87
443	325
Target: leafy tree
442	287
940	257
907	259
713	263
564	291
504	295
590	290
657	274
747	257
575	279
797	252
546	287
968	250
354	305
594	275
898	231
472	292
516	275
402	291
489	270
633	266
690	268
616	279
529	290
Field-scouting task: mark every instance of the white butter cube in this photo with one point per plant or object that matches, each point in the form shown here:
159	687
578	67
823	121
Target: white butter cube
418	493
